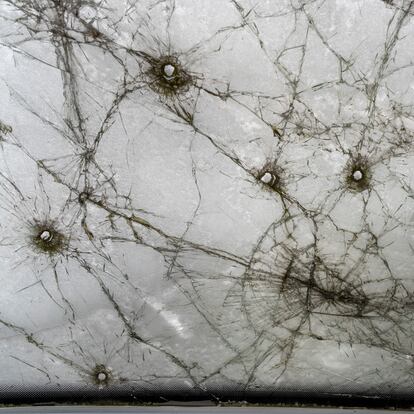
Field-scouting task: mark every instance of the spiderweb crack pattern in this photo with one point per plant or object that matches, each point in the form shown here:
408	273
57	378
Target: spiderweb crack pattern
194	200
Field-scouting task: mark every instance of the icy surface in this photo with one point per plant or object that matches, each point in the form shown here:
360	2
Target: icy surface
207	193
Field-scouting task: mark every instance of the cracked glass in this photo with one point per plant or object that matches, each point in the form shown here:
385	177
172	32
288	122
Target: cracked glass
207	195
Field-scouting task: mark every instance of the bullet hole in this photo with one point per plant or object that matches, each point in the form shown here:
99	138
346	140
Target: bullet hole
46	238
270	176
101	375
167	76
169	72
357	174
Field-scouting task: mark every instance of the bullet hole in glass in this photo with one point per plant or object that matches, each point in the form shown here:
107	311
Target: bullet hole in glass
357	174
267	178
46	238
270	176
101	375
169	71
167	76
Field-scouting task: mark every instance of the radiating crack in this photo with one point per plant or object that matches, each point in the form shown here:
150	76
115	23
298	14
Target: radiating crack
207	195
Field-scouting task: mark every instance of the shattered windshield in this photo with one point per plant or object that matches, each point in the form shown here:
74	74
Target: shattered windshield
201	197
